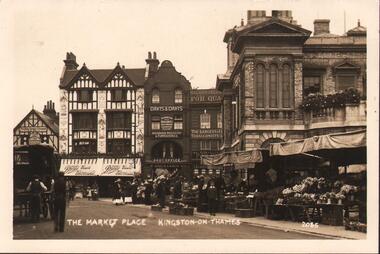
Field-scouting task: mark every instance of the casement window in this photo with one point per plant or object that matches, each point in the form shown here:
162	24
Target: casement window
85	121
119	146
178	96
286	88
273	83
345	81
205	120
119	95
260	86
84	95
219	121
178	122
311	84
119	120
155	96
273	86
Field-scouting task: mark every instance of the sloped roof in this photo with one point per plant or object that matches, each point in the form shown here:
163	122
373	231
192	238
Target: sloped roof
48	121
136	75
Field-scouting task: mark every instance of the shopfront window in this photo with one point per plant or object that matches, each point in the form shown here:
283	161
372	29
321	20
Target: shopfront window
119	146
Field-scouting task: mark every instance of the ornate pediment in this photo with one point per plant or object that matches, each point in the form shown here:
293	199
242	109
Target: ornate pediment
275	29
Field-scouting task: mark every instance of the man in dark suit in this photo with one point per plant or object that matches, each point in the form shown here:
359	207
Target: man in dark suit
59	202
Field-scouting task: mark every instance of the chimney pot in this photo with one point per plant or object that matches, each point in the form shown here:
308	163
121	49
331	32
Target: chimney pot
154	55
149	55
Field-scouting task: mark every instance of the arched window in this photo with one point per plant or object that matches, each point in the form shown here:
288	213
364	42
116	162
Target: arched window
286	97
260	91
178	96
155	96
273	83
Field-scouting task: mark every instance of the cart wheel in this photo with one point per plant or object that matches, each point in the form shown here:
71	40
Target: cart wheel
45	210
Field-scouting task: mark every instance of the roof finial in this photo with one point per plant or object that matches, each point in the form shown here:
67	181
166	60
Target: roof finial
32	106
118	64
358	22
84	64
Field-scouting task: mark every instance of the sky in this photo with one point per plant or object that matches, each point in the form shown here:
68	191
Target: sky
101	33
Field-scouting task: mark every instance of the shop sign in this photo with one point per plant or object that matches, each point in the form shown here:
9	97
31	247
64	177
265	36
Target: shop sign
33	129
166	108
206	133
79	169
205	97
34	138
125	167
166	134
167	160
166	123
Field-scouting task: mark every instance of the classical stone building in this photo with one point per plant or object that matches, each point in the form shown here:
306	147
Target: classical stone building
101	125
274	65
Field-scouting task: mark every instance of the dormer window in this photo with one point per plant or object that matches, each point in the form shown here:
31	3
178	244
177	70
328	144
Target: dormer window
155	96
84	95
178	96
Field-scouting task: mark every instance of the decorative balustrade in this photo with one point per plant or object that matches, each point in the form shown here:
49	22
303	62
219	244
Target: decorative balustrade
270	114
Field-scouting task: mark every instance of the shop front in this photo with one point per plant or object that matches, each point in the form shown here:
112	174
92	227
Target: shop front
99	172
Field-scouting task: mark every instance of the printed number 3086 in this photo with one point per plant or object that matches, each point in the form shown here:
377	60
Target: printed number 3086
310	225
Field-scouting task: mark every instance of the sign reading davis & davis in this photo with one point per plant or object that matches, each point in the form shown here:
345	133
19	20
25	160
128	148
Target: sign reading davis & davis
166	108
206	133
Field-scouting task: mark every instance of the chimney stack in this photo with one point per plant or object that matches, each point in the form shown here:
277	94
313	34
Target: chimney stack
255	16
49	110
321	26
70	61
152	64
285	15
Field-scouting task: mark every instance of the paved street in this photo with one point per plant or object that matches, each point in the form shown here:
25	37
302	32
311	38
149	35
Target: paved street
103	220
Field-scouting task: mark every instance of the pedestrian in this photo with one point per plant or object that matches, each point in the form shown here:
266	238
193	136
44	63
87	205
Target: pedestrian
161	192
117	192
200	193
36	187
177	192
148	191
134	191
60	196
128	192
212	196
71	190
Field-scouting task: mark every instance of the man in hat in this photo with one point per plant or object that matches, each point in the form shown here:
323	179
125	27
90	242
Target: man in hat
59	192
36	187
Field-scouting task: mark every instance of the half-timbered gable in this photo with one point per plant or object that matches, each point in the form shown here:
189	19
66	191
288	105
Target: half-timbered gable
36	128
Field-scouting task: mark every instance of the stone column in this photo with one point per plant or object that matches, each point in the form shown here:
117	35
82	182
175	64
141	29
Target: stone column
63	121
298	88
102	105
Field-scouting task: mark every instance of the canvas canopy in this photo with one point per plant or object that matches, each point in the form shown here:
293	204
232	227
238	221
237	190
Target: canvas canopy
240	159
356	139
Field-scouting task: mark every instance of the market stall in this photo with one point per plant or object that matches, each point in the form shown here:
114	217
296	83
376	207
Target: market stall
323	197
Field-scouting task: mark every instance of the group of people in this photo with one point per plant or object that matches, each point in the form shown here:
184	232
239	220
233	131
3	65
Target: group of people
59	190
136	191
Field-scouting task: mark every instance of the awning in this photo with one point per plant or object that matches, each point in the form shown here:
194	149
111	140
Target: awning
120	167
101	166
340	148
80	167
240	159
356	139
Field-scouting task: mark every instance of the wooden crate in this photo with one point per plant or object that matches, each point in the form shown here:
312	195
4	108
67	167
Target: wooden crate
244	213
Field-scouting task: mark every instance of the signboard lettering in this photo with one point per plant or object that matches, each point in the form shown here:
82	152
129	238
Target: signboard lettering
206	133
33	129
166	108
167	134
79	170
205	97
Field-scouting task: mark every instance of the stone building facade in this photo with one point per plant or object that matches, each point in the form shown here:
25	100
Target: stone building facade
274	65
